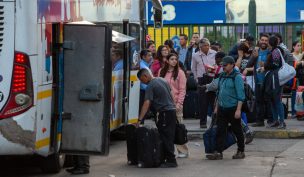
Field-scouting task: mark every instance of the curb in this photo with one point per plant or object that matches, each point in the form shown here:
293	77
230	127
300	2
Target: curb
278	134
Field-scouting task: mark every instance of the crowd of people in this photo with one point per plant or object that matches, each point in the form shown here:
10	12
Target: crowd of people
221	82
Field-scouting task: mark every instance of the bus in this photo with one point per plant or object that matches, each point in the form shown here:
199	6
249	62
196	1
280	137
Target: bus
59	93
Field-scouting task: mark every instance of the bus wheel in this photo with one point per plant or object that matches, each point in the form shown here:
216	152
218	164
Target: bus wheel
53	163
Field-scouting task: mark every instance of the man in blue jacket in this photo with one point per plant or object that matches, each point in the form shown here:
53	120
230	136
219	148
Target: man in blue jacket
230	96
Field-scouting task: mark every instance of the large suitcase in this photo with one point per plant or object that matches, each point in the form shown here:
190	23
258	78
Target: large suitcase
209	138
149	147
190	106
131	144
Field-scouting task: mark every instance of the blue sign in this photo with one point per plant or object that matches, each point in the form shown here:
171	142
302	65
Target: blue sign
294	11
190	12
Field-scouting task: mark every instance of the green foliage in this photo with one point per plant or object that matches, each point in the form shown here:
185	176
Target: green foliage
225	41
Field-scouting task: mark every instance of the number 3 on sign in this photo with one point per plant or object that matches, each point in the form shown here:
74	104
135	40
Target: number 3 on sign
169	13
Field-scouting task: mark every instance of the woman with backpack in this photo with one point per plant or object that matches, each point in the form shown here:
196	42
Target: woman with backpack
176	78
273	64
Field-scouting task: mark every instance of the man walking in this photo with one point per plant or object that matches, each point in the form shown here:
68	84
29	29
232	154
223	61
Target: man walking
158	95
200	63
258	58
228	108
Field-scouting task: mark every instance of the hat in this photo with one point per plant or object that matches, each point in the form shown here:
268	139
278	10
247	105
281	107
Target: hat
228	60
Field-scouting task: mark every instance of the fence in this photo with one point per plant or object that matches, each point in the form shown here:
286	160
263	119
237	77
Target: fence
226	34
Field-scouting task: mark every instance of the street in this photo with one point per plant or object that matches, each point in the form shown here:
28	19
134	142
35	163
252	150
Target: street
259	162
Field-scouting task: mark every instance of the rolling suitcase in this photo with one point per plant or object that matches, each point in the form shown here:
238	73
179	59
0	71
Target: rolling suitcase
131	144
190	106
149	147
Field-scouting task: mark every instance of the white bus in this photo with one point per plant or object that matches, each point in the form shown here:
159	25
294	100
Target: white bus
58	93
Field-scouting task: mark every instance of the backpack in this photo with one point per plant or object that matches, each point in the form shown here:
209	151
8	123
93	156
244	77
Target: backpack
249	102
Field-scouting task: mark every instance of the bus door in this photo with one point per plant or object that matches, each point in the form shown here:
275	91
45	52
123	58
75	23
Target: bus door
87	89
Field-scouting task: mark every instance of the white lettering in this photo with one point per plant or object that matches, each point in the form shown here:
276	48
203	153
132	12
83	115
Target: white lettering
169	13
302	14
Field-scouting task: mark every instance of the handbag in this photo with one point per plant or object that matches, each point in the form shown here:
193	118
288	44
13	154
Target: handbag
249	104
286	72
210	137
181	134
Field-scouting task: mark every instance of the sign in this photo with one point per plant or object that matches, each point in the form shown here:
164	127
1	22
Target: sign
294	11
267	11
90	10
190	12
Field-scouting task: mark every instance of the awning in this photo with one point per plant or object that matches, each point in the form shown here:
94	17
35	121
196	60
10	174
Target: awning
120	38
116	36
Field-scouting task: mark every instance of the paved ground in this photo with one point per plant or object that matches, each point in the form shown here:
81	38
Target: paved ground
259	163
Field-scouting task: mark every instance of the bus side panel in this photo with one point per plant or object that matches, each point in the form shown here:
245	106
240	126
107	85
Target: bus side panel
44	93
26	31
117	99
18	134
134	98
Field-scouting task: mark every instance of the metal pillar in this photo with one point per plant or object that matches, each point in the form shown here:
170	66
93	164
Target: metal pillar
252	19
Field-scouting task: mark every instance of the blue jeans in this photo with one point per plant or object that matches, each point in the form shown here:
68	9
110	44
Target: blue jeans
293	102
277	108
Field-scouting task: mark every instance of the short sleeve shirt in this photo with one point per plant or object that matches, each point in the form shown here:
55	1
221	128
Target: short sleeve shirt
159	93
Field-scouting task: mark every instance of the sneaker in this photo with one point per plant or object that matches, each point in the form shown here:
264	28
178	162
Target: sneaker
215	156
239	155
78	171
168	165
249	137
282	125
183	155
258	124
273	124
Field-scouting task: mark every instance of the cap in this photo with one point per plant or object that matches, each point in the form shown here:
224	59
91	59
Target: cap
228	60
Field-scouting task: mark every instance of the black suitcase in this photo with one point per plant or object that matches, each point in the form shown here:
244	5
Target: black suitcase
131	144
149	147
190	106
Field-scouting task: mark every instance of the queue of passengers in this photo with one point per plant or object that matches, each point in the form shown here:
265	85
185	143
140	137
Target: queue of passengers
205	62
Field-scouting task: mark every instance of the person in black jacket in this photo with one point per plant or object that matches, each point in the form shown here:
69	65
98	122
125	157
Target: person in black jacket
192	48
300	71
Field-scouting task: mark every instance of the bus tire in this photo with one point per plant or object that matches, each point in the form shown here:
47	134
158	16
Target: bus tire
53	163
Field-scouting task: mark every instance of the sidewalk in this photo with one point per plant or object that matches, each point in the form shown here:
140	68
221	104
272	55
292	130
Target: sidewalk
295	129
289	162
